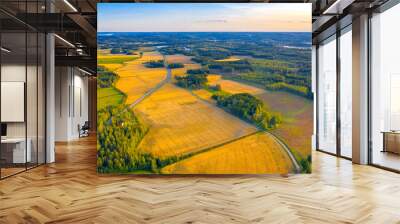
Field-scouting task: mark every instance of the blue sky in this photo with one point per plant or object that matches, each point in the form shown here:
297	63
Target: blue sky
204	17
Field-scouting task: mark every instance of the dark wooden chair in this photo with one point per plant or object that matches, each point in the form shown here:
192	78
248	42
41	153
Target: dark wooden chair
84	130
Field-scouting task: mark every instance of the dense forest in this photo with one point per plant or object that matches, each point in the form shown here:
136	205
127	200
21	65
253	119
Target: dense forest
119	133
250	108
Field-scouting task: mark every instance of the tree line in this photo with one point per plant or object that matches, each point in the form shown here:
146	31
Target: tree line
297	90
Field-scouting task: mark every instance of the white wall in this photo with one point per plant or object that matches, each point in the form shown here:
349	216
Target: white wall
71	94
80	111
62	82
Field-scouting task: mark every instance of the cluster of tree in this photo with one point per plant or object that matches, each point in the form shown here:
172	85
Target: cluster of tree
154	64
248	107
119	133
216	87
298	80
116	51
192	81
213	53
175	65
273	66
200	71
297	90
174	49
305	164
268	78
105	79
273	74
253	52
230	66
200	60
122	51
290	82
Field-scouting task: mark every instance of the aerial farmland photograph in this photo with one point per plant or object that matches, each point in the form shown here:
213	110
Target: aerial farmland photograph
204	88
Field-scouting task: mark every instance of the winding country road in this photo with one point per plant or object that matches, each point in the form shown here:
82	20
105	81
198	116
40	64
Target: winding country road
157	87
284	146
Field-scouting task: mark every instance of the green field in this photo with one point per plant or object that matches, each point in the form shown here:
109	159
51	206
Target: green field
109	96
115	59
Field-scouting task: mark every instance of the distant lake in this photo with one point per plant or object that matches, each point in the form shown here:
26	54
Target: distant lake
295	47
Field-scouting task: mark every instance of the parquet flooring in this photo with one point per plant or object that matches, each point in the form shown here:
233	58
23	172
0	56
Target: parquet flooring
70	191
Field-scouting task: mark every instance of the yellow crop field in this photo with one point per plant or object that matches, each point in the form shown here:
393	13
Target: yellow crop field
232	86
230	59
181	123
138	69
182	71
213	79
179	58
103	51
135	79
146	49
111	67
258	153
204	94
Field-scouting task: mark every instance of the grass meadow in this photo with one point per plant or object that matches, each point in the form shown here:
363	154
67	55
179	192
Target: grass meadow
108	97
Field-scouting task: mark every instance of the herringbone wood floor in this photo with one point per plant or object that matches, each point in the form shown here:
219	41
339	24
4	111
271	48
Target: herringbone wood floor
70	191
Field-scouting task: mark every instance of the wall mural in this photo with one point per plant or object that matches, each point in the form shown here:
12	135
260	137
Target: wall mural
204	88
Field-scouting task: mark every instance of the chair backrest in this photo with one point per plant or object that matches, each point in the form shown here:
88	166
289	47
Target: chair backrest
86	125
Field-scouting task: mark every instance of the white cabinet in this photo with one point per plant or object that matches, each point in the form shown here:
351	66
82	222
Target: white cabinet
19	155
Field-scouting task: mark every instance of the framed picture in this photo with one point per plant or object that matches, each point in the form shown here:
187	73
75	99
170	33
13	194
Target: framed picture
204	88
